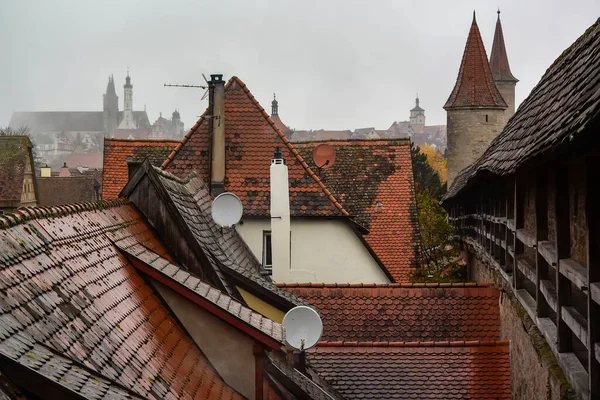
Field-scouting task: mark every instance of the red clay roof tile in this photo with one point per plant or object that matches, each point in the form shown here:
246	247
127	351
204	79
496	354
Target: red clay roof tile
373	180
251	137
399	313
475	86
72	292
415	370
115	170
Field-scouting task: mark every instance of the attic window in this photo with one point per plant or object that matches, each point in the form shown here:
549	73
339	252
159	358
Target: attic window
267	257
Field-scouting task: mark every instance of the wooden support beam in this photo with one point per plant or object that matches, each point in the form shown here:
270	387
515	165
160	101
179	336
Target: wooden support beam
518	246
563	250
592	215
541	234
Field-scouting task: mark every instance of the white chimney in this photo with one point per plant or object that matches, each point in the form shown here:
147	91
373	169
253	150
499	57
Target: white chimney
216	109
280	219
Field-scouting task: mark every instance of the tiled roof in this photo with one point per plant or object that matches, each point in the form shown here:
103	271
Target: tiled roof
434	370
251	137
117	150
91	160
396	312
205	295
373	180
475	86
14	151
68	297
226	252
499	58
64	190
562	106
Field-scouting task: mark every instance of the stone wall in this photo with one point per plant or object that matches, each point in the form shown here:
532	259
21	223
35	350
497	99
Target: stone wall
507	90
470	132
535	374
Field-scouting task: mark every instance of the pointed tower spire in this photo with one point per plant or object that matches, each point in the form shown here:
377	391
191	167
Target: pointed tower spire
110	88
499	59
505	80
475	86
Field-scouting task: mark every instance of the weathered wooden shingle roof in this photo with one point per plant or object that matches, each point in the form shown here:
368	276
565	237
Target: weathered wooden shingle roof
558	109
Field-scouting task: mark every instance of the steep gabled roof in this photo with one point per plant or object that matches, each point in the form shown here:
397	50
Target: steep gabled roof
115	175
211	299
54	191
74	311
14	154
475	85
373	180
559	109
404	312
415	370
228	257
251	137
499	58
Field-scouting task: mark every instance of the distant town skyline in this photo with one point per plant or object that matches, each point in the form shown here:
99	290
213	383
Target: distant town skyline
333	65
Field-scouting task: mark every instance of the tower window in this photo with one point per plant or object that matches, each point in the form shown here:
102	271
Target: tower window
486	118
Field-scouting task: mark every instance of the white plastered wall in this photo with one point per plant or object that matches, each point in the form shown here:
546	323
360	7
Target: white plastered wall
323	251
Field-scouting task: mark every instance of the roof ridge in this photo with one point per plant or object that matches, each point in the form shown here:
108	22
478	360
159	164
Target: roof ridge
289	144
30	213
384	285
146	140
459	343
403	140
170	176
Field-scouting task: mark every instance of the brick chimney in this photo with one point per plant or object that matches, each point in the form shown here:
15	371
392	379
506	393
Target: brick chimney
280	219
216	111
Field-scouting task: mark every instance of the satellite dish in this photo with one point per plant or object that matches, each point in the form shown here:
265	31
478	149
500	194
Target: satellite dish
226	209
303	327
324	156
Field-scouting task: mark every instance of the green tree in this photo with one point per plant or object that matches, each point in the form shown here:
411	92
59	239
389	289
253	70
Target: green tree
439	253
426	178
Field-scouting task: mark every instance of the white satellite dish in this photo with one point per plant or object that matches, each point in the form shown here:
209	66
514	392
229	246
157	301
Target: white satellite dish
303	327
227	209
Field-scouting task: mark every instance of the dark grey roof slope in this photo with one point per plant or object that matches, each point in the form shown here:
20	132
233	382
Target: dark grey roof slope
563	104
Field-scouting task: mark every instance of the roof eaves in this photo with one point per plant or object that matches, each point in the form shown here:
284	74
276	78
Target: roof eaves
213	307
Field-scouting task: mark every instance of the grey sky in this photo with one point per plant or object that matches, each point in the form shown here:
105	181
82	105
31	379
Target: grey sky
333	64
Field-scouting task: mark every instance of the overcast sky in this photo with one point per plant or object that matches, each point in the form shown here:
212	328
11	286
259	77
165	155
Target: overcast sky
333	64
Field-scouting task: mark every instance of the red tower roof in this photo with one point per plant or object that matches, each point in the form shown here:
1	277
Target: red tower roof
475	85
498	58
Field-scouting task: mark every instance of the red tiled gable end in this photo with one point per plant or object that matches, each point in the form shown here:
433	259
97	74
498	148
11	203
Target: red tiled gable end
75	311
475	86
115	175
251	137
373	180
434	370
396	313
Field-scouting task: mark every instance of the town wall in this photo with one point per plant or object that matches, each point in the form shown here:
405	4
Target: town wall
470	132
535	373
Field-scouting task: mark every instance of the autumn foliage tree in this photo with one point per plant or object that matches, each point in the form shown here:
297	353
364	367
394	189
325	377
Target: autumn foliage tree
438	261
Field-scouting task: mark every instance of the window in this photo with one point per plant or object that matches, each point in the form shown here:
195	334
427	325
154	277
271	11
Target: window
267	258
486	118
1	212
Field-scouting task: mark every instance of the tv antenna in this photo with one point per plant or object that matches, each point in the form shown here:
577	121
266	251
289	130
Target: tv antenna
227	210
303	327
205	87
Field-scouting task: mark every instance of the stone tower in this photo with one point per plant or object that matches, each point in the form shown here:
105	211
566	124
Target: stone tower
128	122
475	108
417	118
505	80
111	108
